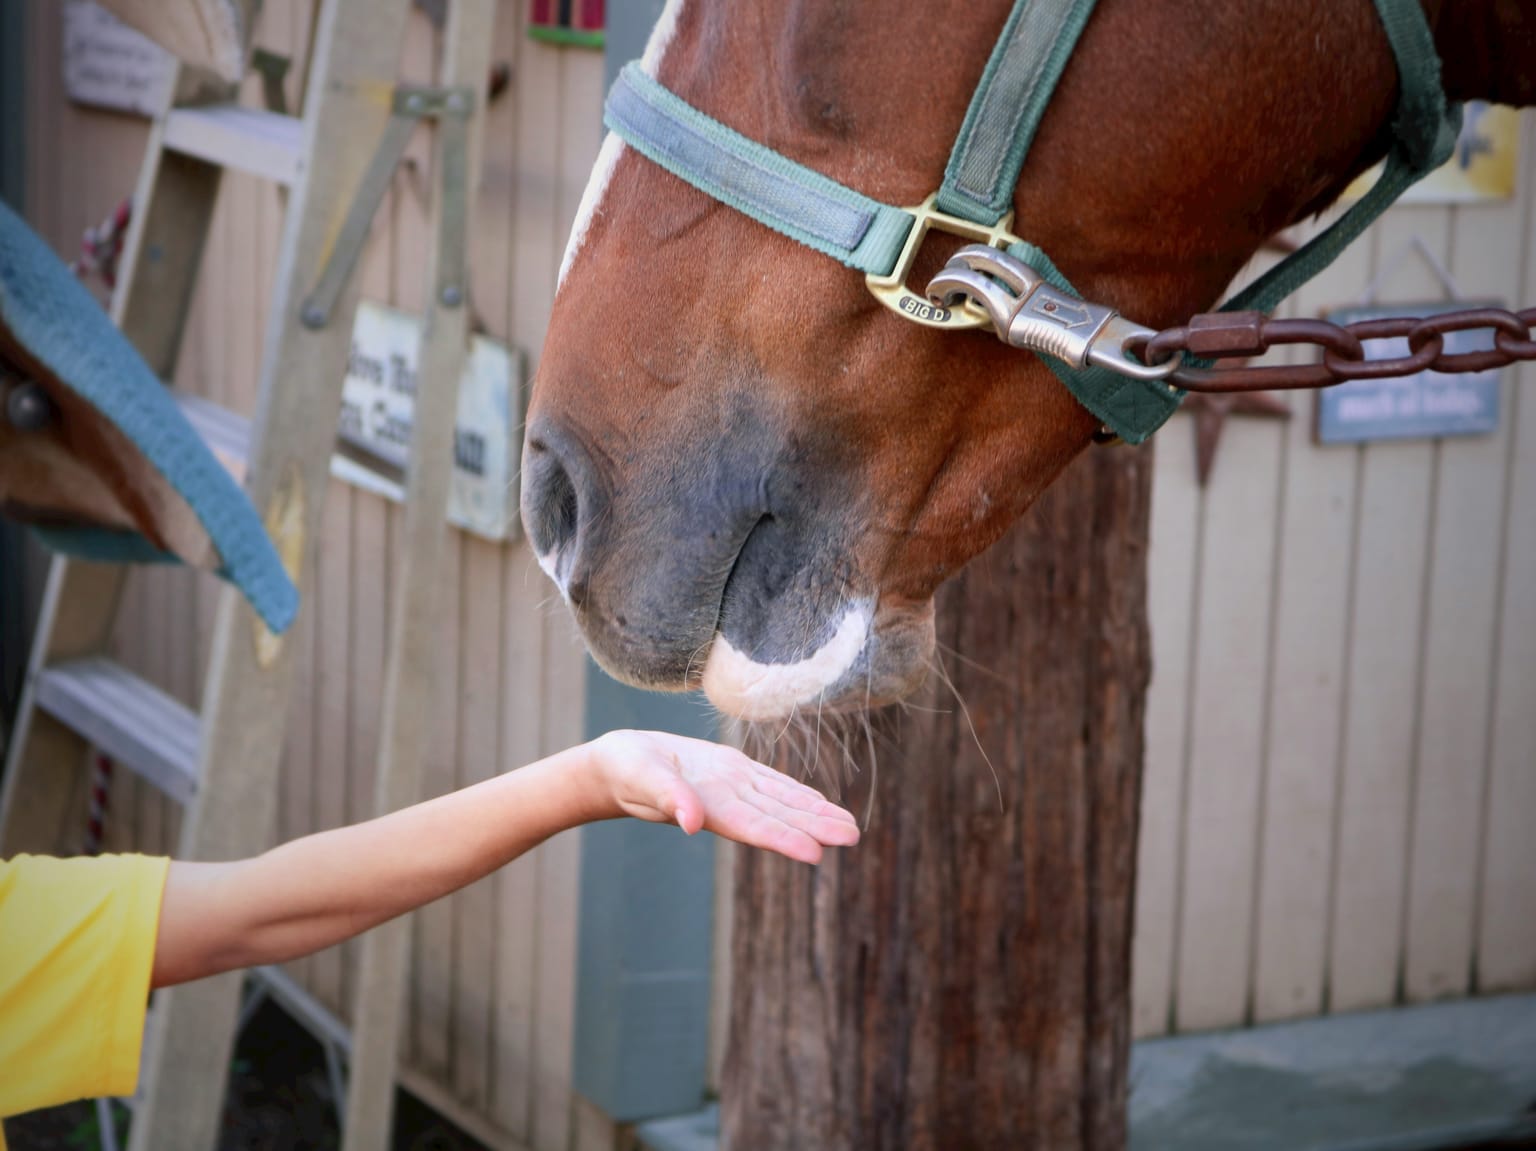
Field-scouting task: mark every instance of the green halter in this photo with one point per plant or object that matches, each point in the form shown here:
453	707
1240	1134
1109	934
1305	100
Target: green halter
975	199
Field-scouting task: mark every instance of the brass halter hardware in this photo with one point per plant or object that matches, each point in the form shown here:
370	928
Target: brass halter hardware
892	290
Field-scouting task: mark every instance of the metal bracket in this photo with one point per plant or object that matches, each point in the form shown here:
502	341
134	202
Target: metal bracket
451	107
272	69
1028	312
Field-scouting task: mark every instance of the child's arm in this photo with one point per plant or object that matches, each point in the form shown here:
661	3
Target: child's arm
313	892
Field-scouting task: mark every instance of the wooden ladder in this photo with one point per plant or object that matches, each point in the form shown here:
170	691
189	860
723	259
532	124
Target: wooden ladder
336	162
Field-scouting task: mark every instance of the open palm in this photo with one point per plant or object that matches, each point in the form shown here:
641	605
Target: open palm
700	785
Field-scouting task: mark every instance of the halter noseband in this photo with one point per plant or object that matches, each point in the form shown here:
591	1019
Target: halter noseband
1024	296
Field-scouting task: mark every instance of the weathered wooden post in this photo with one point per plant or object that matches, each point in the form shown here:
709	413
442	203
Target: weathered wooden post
962	979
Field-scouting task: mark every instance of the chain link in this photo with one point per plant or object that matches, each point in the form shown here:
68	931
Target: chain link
1224	335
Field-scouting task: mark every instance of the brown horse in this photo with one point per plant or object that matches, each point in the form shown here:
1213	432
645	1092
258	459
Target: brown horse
744	473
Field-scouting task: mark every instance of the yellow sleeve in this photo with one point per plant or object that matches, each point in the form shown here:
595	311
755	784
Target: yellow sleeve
77	942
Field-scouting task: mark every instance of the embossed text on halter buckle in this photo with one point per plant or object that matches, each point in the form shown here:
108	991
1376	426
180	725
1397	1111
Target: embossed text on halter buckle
1028	312
892	290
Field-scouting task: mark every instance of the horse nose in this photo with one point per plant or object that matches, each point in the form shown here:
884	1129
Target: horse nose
560	496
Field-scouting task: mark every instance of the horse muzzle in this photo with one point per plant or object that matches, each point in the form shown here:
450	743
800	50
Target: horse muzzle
687	574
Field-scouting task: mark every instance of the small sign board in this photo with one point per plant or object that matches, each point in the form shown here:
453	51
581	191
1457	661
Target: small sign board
1427	405
1482	167
109	65
378	409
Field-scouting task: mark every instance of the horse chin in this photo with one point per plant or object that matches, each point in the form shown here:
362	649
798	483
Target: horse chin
873	655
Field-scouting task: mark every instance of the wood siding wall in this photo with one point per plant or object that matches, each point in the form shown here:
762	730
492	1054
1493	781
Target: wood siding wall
1341	744
1341	763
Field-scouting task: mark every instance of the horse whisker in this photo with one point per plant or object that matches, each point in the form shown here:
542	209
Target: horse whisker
965	711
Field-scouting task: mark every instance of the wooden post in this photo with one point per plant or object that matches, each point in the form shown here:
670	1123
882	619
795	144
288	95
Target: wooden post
962	979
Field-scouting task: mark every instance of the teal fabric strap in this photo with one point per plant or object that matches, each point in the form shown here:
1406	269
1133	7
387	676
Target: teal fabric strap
1132	409
772	189
984	166
1014	92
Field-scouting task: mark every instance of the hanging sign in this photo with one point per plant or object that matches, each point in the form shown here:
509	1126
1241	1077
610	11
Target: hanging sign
378	408
1427	405
579	22
109	65
1481	168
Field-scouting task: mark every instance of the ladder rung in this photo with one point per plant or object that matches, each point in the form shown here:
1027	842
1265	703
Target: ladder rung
130	720
246	139
227	433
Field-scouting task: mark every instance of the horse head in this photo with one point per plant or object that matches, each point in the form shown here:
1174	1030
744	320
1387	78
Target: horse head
746	474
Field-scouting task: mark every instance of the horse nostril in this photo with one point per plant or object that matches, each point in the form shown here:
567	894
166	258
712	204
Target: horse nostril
551	507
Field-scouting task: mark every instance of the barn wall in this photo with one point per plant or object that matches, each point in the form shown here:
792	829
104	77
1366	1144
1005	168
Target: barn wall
1341	742
493	969
1341	766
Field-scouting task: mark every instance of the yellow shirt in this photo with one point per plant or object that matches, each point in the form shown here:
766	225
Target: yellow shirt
77	941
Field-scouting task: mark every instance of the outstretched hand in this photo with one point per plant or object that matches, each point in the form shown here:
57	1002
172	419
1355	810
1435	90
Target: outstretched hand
700	785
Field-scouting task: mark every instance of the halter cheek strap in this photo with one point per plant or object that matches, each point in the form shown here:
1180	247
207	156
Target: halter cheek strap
983	170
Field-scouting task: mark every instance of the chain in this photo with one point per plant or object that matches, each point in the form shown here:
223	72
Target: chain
1223	335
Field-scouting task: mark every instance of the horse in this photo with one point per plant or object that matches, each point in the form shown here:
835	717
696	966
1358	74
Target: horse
742	472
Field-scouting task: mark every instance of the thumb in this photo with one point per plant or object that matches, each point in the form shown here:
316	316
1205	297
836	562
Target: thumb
687	808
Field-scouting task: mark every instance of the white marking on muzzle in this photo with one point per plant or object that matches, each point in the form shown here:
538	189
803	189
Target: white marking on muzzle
738	685
550	563
591	205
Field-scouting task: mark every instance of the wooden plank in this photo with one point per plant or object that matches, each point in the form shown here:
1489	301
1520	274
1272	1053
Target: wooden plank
284	28
544	1097
367	610
523	691
1506	926
419	696
333	686
1384	661
522	590
1452	753
1316	524
581	94
1171	595
434	923
296	810
478	927
432	927
1228	690
480	681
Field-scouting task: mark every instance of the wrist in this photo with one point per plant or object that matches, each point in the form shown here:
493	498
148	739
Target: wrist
589	769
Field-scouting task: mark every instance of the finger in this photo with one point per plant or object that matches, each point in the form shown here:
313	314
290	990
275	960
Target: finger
773	782
687	808
805	808
822	828
735	818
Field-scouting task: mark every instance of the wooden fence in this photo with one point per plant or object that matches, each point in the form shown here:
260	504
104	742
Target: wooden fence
1341	771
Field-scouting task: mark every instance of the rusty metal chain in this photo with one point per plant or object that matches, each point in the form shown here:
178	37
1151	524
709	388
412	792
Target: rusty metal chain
1227	335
